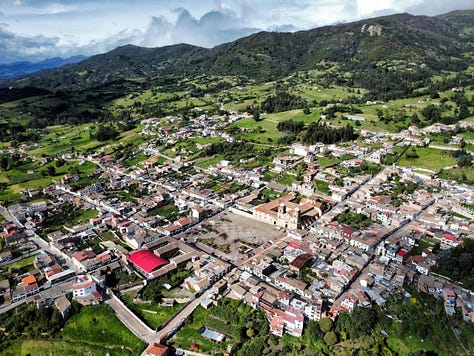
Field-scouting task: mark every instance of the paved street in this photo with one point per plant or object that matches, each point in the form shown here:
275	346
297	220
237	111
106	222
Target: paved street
180	318
131	321
8	307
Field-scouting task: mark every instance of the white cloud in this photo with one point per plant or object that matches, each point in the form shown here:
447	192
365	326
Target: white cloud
41	28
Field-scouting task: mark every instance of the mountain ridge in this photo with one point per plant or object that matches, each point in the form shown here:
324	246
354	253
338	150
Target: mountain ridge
16	69
435	42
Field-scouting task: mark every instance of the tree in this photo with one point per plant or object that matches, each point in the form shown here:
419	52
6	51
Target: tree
256	114
325	324
59	162
51	170
330	338
431	112
106	133
306	110
314	331
4	163
463	111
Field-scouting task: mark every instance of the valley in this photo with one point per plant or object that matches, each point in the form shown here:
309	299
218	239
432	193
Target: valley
282	194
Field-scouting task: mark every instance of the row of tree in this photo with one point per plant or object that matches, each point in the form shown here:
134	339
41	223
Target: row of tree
319	132
282	100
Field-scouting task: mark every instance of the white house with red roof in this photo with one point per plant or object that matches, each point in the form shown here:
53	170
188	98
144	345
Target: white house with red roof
84	290
448	240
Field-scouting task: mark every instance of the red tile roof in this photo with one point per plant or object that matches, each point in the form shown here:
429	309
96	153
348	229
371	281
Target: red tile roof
28	280
83	255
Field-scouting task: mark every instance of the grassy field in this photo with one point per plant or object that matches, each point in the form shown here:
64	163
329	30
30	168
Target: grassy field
207	162
26	262
322	186
264	131
458	173
85	216
98	325
29	175
429	158
409	345
153	314
287	179
64	348
327	161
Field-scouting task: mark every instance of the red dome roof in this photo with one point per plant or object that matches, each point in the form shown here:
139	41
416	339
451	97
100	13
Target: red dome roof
146	260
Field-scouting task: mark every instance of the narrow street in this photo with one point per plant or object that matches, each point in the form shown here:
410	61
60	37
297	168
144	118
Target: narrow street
179	319
130	320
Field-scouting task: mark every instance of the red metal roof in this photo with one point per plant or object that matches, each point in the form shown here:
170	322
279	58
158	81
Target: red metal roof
449	236
146	260
293	244
402	252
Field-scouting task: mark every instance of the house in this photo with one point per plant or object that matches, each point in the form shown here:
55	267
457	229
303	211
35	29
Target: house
293	320
63	305
27	287
300	262
448	241
277	324
84	260
157	350
313	310
196	284
84	290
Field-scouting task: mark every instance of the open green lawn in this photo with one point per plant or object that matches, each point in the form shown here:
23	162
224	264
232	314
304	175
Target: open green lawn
264	131
324	161
98	325
207	162
168	211
410	344
61	139
206	140
153	314
64	348
84	216
26	262
467	135
458	173
136	159
422	244
287	179
429	158
319	93
322	186
295	115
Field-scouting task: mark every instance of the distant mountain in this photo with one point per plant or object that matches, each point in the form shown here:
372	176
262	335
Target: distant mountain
363	47
17	69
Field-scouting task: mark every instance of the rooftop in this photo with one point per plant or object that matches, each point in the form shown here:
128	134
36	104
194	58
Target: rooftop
147	260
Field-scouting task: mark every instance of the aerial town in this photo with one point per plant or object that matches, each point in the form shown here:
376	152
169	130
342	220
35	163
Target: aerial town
335	238
236	178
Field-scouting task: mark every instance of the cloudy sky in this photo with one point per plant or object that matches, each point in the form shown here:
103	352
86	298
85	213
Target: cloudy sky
38	29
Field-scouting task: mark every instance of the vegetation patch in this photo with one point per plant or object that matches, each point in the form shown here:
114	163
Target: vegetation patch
153	314
99	325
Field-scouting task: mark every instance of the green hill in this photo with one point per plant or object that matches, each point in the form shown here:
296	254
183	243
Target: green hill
374	49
